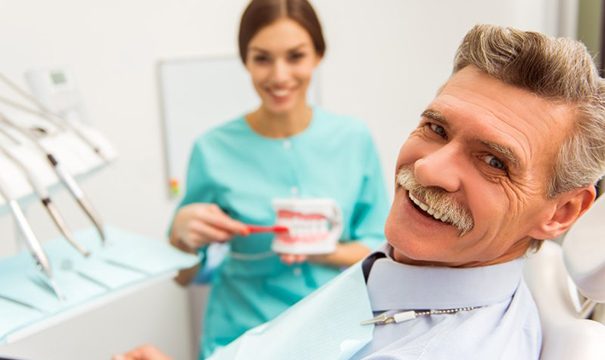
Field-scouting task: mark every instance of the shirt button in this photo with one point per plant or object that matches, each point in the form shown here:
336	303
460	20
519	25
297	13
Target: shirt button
287	144
294	190
297	271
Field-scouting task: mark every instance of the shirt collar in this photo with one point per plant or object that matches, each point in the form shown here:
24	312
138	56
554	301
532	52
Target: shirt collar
396	286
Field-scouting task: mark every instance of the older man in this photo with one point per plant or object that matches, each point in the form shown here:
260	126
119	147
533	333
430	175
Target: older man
503	158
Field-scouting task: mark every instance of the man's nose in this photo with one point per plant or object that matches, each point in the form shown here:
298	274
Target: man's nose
441	168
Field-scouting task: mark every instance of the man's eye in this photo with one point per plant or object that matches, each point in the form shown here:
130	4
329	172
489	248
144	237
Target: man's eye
438	129
495	162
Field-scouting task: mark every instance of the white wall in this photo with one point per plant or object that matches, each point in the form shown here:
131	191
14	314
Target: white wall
387	58
384	62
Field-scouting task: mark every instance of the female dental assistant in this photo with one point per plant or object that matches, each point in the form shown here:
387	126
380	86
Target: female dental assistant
285	148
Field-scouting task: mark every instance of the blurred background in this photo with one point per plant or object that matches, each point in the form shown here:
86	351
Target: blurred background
384	62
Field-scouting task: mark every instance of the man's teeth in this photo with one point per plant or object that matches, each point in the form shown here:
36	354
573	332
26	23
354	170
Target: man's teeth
435	214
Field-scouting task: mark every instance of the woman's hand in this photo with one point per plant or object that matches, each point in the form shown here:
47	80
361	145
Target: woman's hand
145	352
291	259
199	224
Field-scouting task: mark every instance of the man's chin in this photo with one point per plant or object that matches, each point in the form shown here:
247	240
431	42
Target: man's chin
407	249
415	258
409	257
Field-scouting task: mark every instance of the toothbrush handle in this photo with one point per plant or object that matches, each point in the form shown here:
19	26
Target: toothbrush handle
262	229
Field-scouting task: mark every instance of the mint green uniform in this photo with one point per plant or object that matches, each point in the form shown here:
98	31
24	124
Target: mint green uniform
241	172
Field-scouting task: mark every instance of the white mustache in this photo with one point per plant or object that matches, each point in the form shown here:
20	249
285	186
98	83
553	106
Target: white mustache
438	200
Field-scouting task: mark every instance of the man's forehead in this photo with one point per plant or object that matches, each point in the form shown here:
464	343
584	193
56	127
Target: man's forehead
472	92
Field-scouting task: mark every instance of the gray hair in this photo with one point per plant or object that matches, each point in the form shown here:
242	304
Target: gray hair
557	69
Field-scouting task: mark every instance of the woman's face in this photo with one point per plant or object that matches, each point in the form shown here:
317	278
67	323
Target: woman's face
281	59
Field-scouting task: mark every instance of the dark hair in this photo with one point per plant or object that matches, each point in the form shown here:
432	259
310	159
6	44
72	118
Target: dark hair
260	13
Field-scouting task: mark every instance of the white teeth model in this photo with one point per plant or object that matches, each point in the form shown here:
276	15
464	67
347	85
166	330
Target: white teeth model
436	215
301	228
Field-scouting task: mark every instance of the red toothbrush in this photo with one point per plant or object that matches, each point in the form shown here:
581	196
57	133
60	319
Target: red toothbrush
263	229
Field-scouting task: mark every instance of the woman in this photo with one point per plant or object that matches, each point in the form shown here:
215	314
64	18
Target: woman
285	148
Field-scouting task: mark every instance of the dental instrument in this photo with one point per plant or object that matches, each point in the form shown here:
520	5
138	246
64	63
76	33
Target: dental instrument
33	244
63	175
42	193
47	114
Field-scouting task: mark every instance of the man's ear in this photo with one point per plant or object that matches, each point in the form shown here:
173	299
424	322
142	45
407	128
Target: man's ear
568	207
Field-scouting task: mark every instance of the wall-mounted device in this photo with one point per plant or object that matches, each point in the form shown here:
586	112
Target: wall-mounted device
56	89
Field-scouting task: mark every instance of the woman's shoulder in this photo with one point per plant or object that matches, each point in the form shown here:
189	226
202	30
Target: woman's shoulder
224	131
342	121
344	124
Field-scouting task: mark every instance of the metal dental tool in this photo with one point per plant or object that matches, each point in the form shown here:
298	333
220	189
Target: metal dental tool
34	246
47	114
63	175
42	194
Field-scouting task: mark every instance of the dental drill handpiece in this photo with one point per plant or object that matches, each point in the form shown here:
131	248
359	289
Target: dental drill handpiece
65	178
42	195
45	113
33	245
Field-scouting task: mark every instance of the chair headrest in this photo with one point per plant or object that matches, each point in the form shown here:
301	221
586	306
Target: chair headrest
584	252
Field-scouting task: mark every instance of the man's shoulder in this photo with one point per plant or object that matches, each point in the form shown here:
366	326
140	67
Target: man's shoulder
509	328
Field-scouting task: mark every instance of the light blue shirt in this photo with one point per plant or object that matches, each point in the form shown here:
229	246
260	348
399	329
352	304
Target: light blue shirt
328	324
241	171
505	326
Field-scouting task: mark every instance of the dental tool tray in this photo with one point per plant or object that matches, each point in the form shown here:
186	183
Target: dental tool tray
127	262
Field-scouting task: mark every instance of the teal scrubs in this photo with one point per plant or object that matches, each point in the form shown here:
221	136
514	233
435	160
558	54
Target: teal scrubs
242	171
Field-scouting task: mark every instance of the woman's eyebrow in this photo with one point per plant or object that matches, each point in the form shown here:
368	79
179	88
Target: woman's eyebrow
296	47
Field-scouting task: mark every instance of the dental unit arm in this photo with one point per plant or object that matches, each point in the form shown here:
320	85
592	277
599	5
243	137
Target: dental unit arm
42	193
63	175
33	244
42	111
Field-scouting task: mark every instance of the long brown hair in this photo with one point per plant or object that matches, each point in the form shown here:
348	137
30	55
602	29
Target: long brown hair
260	13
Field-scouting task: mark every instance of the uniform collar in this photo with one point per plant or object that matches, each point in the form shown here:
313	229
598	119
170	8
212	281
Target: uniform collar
396	286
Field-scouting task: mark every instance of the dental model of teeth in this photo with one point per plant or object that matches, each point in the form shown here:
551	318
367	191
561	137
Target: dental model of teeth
308	233
306	228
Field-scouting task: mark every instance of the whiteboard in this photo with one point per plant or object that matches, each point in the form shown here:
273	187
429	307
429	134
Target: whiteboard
199	94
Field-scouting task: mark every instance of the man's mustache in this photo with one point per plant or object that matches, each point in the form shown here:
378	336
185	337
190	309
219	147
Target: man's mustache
438	200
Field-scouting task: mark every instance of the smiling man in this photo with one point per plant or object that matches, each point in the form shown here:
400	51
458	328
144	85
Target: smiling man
504	158
473	178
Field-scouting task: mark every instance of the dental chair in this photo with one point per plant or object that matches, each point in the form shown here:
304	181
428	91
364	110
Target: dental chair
567	282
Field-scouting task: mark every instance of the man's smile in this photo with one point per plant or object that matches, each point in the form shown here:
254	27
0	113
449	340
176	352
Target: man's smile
428	211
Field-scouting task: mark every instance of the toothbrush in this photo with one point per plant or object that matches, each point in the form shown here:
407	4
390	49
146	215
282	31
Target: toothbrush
262	229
